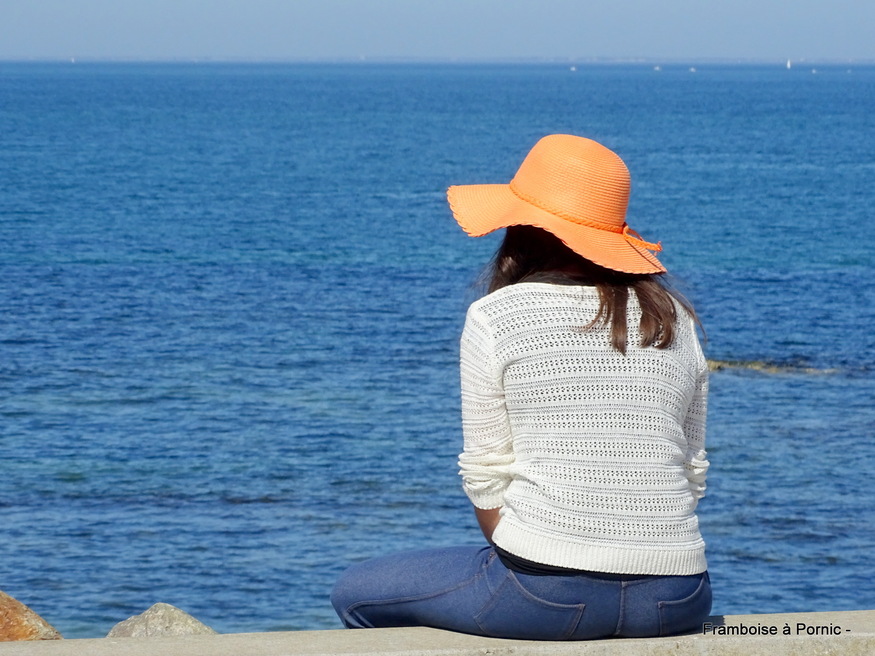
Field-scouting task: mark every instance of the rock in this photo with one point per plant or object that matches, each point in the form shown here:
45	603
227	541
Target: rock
767	367
18	622
159	620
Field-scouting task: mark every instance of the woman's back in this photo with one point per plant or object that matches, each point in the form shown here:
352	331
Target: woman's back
596	455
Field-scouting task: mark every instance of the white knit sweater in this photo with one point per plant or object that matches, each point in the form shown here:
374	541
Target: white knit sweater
596	459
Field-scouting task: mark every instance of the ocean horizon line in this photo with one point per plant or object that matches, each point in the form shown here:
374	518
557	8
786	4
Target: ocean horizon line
584	60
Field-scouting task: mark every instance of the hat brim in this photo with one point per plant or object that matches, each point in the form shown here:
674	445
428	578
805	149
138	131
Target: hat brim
481	209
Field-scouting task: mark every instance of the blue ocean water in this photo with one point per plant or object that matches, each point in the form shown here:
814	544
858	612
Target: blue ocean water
232	296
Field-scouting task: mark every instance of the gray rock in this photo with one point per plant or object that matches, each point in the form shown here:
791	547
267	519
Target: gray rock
159	620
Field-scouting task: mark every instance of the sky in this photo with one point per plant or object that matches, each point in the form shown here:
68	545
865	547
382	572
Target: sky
443	30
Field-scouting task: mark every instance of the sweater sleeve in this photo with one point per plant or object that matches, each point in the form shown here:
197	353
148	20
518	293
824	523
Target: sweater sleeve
488	449
696	459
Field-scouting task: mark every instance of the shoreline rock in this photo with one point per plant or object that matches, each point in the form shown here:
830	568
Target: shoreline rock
160	620
18	622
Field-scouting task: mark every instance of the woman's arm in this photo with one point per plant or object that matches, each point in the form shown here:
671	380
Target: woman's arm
488	520
487	457
696	459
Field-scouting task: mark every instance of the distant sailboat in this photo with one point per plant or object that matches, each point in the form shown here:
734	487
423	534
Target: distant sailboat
789	64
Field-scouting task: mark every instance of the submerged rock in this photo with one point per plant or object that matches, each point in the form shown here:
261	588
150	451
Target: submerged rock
18	622
767	367
160	620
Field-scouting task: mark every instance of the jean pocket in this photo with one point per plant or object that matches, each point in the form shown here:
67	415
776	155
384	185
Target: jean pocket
686	614
514	612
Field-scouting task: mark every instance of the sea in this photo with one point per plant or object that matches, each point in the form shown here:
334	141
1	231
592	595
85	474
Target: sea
232	295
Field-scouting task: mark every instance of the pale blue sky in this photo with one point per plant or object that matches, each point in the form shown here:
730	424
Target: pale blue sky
437	29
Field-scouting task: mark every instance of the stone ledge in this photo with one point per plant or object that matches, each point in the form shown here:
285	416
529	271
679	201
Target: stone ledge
856	636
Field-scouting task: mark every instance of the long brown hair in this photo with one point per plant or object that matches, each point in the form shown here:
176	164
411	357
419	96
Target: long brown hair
530	254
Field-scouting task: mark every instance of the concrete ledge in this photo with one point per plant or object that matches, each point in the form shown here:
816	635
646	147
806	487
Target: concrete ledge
848	633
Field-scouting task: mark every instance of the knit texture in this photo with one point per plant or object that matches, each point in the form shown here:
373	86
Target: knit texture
595	458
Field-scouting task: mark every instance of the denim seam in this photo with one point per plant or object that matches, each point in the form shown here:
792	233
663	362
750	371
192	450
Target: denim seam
491	601
401	600
662	605
511	579
622	604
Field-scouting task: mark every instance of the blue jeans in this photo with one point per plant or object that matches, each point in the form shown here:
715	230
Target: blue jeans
468	589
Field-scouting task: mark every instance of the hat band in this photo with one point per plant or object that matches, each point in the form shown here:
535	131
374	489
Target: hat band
628	234
635	239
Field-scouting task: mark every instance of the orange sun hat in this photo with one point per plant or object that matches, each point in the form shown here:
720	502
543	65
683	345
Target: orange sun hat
572	187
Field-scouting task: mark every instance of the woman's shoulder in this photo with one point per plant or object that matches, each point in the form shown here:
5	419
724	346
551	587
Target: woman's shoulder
537	292
527	297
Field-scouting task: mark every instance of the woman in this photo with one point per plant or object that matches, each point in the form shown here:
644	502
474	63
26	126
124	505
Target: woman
584	391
